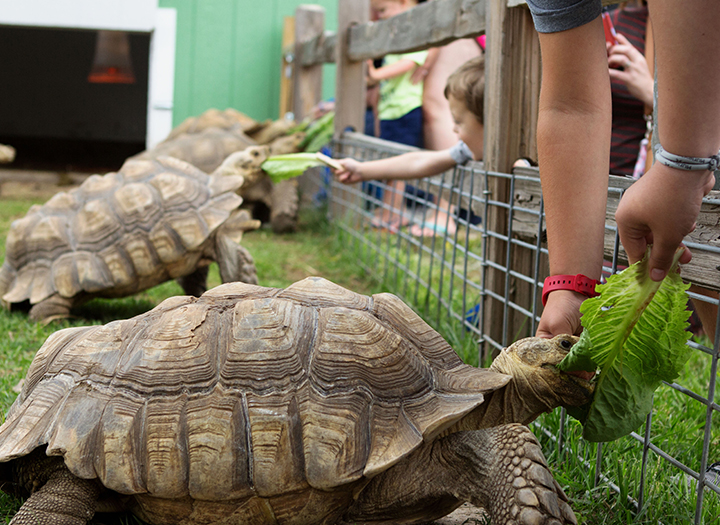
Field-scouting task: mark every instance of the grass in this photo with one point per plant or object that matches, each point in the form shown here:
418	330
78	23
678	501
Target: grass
319	249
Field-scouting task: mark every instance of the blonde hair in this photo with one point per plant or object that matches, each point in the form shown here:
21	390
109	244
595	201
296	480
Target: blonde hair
467	83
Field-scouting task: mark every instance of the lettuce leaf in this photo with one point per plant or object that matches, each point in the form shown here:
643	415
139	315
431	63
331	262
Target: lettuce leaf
319	133
282	167
635	332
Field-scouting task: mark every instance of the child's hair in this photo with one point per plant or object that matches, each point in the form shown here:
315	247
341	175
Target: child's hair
467	83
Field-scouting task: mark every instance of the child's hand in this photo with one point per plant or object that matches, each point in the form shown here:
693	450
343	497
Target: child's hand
370	78
351	172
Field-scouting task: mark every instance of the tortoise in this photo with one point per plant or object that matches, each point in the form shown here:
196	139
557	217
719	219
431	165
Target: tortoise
304	405
7	154
126	231
229	118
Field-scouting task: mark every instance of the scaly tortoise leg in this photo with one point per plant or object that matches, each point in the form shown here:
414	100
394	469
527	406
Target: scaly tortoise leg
63	498
500	469
54	307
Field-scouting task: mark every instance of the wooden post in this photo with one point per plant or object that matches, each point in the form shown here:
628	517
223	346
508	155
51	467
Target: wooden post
512	84
286	66
307	85
350	87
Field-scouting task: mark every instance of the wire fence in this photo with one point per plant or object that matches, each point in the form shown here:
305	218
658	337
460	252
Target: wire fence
430	244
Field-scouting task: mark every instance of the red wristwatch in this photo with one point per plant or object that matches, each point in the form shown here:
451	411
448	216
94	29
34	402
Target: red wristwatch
577	283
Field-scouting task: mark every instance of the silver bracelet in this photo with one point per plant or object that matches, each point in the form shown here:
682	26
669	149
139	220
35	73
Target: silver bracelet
687	163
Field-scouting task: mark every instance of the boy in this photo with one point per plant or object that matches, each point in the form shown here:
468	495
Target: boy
465	91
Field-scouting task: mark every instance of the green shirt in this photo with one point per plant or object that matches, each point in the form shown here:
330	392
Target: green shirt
399	96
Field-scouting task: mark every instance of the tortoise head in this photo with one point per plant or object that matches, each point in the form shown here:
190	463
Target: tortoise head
246	163
287	144
533	364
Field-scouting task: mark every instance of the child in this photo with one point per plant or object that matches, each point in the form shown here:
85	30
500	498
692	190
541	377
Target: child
465	93
400	102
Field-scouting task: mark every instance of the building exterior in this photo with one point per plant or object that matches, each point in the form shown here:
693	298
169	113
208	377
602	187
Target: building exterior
187	56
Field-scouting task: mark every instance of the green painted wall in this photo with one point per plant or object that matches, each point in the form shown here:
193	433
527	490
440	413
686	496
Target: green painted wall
228	55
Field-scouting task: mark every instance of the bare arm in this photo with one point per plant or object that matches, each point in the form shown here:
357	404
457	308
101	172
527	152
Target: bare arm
661	208
413	165
395	69
573	150
421	72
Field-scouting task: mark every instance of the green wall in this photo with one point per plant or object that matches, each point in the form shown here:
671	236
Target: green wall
228	55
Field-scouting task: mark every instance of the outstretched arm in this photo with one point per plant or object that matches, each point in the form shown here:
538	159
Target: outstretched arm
573	152
413	165
661	208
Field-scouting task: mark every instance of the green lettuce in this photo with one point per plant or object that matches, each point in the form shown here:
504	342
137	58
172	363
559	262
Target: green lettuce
635	332
282	167
319	133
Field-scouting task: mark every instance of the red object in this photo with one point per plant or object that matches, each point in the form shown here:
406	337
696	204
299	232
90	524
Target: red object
610	34
577	283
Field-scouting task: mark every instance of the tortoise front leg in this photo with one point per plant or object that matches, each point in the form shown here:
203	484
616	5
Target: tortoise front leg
64	499
500	469
54	307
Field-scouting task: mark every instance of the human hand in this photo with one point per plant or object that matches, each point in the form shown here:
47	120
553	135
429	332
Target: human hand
628	65
419	75
370	77
660	209
561	314
351	172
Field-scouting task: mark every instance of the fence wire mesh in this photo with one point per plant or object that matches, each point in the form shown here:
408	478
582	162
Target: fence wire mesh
466	249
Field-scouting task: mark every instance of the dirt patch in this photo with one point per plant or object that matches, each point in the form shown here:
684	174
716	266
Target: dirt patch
37	185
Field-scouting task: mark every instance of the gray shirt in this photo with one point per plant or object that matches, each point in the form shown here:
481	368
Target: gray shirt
551	16
460	153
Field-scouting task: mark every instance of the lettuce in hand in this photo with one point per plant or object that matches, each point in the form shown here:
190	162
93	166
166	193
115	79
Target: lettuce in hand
635	332
282	167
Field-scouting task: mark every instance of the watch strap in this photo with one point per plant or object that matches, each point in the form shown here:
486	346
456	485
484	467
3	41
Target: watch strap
576	283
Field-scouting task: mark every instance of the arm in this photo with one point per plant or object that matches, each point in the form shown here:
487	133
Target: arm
421	72
661	208
413	165
395	69
573	151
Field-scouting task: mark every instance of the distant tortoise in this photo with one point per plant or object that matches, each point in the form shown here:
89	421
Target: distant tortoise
229	118
124	232
7	154
257	405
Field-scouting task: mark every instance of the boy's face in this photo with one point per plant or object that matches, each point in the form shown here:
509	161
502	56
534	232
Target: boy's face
389	8
467	126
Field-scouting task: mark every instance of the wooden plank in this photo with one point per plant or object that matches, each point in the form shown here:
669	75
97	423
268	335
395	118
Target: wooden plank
428	25
320	49
286	66
307	83
350	85
703	270
512	80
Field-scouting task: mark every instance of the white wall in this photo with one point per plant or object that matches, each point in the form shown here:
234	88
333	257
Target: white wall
123	15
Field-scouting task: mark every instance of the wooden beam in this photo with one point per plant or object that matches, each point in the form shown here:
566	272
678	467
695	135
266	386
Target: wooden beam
318	50
286	66
350	86
512	83
428	25
307	84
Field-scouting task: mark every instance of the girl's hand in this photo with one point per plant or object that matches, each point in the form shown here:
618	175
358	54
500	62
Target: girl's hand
628	65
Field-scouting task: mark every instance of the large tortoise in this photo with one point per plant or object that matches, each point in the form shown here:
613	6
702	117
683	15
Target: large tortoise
124	232
306	405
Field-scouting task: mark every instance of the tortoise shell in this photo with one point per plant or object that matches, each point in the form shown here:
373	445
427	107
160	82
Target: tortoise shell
229	118
205	149
119	233
245	393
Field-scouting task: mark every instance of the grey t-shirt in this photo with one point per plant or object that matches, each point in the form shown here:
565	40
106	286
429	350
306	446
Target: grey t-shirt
461	153
551	16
